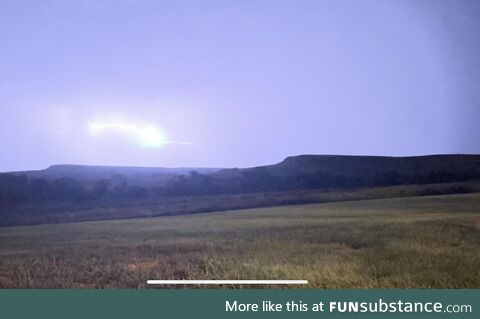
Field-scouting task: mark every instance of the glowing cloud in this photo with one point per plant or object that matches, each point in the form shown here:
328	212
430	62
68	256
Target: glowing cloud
147	136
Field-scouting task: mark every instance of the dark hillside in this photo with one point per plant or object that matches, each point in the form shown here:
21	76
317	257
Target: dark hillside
333	171
54	193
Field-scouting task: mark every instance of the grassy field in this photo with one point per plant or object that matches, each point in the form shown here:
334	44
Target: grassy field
431	241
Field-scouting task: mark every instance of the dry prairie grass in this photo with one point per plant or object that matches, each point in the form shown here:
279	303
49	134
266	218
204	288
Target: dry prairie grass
405	242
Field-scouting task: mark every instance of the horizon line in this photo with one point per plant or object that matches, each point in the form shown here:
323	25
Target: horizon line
239	167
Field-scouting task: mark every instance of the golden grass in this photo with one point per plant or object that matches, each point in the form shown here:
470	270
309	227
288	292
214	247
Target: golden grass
405	242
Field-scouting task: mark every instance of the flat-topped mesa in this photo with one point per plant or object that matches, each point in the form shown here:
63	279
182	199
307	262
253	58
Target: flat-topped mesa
455	164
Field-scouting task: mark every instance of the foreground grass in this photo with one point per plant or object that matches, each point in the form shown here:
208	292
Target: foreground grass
404	242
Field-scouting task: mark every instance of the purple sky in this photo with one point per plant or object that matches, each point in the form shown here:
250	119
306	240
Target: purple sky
235	83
